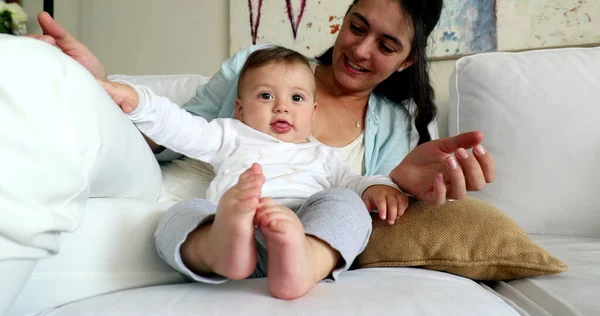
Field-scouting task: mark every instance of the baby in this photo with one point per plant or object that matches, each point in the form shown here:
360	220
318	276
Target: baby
274	192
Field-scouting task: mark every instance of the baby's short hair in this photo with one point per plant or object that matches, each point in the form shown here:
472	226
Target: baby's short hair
272	55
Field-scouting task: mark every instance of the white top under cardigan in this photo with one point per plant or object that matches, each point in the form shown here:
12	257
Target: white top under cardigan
293	172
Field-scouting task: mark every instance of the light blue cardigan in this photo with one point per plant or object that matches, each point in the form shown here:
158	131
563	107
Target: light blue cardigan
387	129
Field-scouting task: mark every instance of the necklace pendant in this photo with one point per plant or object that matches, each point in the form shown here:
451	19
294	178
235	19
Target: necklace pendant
357	124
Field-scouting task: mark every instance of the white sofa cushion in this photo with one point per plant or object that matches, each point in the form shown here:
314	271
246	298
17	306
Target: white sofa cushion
571	293
540	113
375	291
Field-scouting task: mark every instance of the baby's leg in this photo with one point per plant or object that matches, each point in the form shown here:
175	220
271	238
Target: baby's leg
227	246
305	248
290	259
337	218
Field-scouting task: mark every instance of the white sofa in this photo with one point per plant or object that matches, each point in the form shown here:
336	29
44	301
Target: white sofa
539	111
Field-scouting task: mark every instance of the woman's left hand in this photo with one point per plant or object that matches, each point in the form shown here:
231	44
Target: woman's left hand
443	169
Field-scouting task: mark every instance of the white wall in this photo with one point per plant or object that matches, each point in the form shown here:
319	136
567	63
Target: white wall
440	76
159	37
146	36
66	11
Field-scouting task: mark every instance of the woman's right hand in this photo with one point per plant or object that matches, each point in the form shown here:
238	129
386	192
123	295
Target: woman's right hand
56	35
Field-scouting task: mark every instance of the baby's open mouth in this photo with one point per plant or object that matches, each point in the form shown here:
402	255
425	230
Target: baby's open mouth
281	126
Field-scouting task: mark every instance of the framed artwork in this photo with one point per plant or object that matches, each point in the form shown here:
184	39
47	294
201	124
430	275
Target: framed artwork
466	26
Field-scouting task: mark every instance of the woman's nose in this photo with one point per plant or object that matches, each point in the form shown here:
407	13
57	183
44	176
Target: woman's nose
361	49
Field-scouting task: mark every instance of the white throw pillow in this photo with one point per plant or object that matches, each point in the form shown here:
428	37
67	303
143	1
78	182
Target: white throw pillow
63	141
540	112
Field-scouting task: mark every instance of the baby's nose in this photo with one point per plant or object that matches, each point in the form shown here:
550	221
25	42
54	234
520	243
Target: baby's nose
280	107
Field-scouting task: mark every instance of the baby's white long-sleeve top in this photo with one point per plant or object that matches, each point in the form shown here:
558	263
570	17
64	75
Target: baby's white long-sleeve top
293	172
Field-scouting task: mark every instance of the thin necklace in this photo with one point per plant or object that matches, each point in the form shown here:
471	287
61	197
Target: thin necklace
342	102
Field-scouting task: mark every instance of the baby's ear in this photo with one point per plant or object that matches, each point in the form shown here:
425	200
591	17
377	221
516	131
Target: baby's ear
315	106
239	110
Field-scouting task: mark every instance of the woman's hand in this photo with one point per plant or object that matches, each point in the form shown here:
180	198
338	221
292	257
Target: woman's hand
55	34
442	169
388	201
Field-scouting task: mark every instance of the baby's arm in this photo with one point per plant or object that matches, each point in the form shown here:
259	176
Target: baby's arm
166	123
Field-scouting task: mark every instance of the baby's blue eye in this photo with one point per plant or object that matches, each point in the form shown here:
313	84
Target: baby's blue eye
266	96
297	98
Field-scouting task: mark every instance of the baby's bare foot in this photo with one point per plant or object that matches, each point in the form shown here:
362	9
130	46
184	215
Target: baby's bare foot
290	265
230	247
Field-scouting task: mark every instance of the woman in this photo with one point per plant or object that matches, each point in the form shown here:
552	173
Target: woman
365	82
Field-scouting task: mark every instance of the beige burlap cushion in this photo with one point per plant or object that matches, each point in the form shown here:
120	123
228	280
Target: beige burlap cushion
468	237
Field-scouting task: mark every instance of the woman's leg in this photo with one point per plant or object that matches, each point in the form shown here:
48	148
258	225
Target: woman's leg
62	141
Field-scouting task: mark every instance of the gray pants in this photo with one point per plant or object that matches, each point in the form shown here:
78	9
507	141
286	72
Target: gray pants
336	216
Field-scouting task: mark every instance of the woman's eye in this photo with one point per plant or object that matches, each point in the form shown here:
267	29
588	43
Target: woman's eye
297	98
266	96
356	29
386	49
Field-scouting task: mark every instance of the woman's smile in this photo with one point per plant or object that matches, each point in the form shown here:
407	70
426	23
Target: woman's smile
353	67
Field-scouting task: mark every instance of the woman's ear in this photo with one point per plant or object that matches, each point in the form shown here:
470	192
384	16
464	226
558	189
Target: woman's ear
239	110
405	64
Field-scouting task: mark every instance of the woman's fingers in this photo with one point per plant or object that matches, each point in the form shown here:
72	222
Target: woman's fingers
486	163
51	28
455	179
71	46
474	178
438	195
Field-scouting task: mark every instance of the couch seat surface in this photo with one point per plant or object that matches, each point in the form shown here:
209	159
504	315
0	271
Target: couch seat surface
575	292
109	267
375	291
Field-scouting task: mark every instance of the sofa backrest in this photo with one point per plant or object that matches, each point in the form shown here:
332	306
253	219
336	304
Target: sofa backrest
540	112
178	88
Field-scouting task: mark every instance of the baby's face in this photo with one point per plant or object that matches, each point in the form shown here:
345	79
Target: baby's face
278	100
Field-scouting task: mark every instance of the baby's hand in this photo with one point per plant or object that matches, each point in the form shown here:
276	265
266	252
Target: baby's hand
389	201
123	95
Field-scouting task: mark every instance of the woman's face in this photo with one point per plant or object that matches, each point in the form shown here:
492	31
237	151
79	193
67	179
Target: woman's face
374	41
